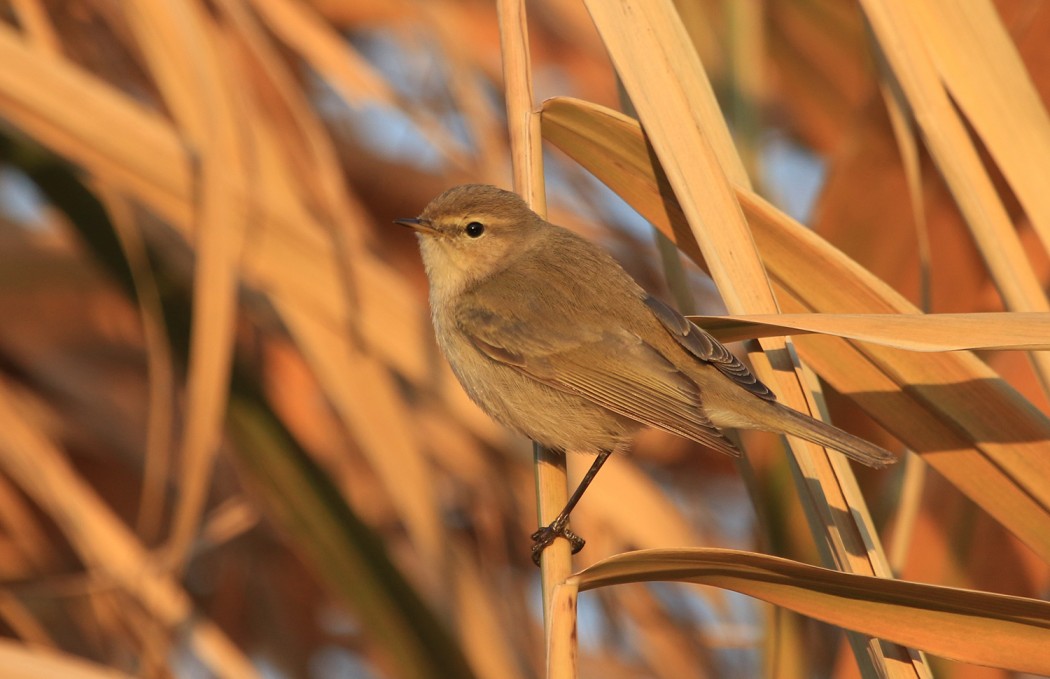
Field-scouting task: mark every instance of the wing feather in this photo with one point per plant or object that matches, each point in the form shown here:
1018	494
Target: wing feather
623	374
703	346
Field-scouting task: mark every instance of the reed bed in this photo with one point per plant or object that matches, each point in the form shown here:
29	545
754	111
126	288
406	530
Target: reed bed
229	446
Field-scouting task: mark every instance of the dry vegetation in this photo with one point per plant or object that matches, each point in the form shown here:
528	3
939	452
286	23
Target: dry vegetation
228	446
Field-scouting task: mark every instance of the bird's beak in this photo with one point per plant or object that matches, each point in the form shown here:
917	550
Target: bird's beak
416	225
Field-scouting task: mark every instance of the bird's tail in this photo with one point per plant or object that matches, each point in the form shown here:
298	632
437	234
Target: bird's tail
805	427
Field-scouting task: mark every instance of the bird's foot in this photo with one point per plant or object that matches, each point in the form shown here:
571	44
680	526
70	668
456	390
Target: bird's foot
542	538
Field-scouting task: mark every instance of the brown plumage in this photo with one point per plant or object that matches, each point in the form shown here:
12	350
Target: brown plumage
551	337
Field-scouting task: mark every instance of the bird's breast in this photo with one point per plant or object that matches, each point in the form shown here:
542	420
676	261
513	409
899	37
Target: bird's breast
552	417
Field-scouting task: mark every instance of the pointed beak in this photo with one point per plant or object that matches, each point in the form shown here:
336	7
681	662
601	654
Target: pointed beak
416	225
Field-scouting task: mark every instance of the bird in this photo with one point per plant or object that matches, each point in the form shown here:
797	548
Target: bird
550	336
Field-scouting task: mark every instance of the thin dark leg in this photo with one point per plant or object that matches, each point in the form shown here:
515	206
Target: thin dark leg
560	526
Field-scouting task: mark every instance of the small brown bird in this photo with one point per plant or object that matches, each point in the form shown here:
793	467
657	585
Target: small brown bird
552	338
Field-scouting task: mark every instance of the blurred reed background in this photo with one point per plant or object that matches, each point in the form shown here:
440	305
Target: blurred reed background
229	446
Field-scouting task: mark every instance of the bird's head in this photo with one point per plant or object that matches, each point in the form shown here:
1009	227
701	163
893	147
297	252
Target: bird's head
471	232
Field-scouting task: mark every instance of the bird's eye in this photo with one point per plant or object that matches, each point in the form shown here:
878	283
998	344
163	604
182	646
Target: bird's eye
475	229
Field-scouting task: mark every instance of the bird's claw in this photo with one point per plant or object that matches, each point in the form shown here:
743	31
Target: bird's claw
545	536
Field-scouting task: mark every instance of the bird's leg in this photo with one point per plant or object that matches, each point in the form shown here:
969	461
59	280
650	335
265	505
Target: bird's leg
559	527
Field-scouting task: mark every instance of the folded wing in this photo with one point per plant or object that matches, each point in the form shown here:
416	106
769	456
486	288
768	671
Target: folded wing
615	369
703	346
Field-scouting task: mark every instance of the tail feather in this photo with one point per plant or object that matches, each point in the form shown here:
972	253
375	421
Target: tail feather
792	422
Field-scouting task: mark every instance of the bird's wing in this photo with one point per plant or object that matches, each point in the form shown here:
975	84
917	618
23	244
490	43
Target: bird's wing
703	346
614	369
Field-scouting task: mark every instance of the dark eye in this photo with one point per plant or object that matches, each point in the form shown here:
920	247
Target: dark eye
475	229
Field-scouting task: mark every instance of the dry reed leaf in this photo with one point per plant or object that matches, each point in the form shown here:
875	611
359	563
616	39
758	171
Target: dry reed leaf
908	148
220	238
907	512
148	161
103	541
288	257
337	553
660	70
906	44
965	625
22	662
914	332
746	51
146	158
160	368
960	411
163	32
662	74
381	423
983	72
970	424
190	65
697	157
